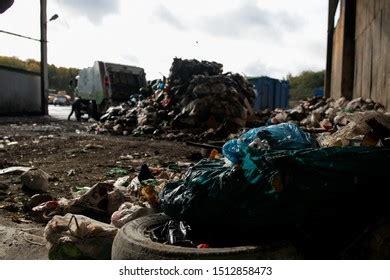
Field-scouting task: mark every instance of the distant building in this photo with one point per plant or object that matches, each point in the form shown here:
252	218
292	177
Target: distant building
358	54
20	92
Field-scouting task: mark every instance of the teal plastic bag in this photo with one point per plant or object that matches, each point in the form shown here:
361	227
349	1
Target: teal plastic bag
285	136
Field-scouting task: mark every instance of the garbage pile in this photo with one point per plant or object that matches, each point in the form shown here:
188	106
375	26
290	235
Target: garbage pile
200	103
182	71
273	180
318	114
269	181
110	200
197	99
279	182
335	122
84	226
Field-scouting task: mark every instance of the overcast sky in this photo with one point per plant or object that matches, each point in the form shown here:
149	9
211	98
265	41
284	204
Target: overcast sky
254	37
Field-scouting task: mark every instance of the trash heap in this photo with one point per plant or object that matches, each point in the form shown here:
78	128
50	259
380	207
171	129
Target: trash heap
84	226
269	181
197	99
319	114
279	184
200	103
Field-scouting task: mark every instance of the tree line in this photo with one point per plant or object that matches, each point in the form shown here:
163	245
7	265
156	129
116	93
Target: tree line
59	77
303	84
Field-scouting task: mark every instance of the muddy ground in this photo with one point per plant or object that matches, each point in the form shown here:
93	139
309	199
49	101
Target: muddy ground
73	158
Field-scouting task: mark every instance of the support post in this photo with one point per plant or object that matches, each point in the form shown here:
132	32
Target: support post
329	50
348	71
44	68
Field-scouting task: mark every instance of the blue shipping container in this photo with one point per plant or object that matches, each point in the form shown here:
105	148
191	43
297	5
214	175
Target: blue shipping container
318	92
271	93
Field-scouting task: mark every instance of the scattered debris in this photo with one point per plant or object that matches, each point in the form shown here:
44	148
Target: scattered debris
3	187
50	208
318	112
93	147
79	237
117	171
361	126
14	170
129	211
35	180
46	137
99	202
38	199
122	182
20	220
7	142
174	233
71	172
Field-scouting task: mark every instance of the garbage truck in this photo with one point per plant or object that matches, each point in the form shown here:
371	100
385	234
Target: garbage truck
105	84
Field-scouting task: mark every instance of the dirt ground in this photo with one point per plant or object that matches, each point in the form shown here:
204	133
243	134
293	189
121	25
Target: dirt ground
73	158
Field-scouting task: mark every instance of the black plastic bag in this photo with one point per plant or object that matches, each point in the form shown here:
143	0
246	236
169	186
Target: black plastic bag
271	188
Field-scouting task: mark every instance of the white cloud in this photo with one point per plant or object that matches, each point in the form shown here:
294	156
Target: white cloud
259	68
251	21
163	14
263	37
130	58
94	10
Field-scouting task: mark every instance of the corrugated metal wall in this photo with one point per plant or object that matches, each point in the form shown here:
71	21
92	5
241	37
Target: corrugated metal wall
20	92
271	93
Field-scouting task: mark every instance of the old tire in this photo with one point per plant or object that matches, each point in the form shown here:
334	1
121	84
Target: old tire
133	243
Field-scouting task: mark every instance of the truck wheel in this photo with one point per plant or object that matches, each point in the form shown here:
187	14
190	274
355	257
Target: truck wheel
94	111
101	109
133	243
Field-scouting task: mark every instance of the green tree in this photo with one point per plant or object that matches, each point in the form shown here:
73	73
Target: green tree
12	61
33	65
303	85
59	77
